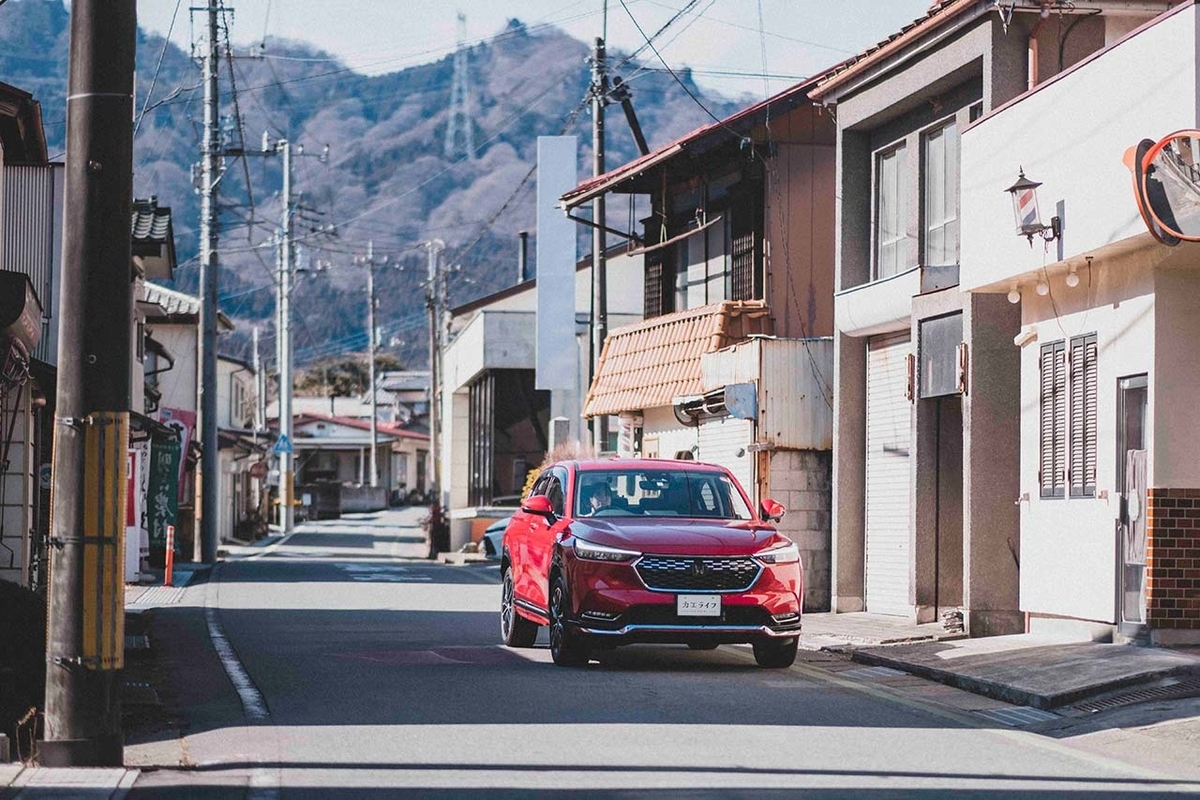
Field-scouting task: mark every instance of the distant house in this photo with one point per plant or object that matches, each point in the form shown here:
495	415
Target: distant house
333	456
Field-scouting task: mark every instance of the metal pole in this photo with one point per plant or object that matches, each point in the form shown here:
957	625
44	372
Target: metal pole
599	267
85	637
205	543
371	347
286	465
431	301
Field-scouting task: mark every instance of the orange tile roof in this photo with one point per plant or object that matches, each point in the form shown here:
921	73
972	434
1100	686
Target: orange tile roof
650	363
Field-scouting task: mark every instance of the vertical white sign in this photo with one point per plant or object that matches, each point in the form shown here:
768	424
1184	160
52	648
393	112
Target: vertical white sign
556	257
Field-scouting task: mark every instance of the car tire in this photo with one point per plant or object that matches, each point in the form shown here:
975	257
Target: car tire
776	655
515	630
566	648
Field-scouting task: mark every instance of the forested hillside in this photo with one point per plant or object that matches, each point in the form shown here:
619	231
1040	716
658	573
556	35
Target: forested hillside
386	179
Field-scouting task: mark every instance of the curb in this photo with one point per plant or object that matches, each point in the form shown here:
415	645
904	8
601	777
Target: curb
1015	694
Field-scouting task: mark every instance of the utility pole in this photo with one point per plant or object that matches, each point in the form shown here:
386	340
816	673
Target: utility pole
372	346
435	418
287	487
599	91
86	637
211	168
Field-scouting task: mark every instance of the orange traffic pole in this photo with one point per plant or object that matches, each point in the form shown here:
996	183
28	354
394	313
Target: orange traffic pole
170	555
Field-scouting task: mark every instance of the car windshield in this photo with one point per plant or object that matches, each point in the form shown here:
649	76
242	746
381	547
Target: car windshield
659	493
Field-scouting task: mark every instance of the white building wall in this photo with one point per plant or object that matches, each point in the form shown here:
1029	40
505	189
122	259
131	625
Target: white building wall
1071	134
178	384
1068	551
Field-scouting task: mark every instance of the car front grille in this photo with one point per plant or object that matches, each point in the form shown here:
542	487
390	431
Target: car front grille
704	574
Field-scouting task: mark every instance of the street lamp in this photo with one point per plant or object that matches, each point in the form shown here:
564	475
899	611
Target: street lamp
1026	213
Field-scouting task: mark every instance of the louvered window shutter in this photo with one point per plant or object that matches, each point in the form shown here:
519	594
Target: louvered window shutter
1053	420
1083	416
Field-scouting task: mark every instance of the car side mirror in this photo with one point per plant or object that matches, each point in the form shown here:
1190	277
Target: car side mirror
772	511
538	504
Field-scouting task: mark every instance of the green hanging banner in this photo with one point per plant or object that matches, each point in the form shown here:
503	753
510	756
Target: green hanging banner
162	501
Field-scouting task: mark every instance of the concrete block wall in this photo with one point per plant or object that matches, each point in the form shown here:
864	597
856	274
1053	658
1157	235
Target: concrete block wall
1173	563
802	481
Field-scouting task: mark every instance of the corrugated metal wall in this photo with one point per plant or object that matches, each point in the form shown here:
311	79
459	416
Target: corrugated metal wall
795	378
29	233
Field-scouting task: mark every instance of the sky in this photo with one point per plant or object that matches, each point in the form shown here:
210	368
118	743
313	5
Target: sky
726	43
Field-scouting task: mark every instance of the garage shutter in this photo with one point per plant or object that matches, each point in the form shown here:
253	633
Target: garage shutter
889	431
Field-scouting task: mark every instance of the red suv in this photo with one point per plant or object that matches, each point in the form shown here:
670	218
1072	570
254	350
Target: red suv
614	552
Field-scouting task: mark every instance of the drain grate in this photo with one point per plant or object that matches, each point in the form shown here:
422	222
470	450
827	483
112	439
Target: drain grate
873	673
1017	716
1169	689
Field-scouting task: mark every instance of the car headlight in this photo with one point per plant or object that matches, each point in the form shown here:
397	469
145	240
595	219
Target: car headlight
781	554
597	552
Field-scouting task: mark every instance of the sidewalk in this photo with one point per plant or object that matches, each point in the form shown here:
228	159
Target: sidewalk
1033	670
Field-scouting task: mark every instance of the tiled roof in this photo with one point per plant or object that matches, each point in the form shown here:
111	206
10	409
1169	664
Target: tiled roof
151	222
178	304
384	428
172	302
650	363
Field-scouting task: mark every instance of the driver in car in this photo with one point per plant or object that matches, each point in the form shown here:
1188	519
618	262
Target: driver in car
599	499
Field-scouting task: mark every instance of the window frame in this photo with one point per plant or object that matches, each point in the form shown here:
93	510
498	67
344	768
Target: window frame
950	186
1068	422
895	244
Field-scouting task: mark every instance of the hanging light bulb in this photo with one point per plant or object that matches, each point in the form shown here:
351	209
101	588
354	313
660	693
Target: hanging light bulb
1014	295
1072	278
1042	288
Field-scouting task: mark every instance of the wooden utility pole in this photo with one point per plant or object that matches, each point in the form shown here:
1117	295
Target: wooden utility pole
599	91
85	647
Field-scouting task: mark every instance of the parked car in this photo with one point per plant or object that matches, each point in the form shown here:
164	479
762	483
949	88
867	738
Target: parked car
492	543
612	552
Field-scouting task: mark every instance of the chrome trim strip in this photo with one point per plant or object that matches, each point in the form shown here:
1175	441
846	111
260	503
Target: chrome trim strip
697	629
528	606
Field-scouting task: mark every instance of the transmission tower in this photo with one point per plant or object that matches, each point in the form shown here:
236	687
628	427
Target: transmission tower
460	100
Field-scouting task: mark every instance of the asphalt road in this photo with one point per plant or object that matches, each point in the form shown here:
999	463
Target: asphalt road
338	663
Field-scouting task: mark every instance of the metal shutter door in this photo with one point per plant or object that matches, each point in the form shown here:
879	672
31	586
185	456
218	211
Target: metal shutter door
721	439
889	431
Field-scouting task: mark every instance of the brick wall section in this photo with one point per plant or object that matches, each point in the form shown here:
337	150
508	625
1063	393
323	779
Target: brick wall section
1173	558
802	481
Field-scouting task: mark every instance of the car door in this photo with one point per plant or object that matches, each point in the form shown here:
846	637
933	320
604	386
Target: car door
542	536
518	537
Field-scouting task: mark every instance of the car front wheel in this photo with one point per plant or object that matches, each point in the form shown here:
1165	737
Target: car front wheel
776	654
515	630
565	646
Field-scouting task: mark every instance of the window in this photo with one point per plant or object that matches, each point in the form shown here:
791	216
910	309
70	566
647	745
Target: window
890	213
1083	416
1053	420
1068	417
941	196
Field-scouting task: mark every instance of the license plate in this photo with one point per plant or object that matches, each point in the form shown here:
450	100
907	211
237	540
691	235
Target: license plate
698	605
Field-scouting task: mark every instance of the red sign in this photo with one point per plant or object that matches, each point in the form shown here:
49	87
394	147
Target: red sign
258	470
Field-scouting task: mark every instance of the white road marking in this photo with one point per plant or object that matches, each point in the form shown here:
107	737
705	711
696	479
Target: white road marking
253	704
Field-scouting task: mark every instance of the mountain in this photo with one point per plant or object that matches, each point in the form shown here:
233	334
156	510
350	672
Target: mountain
386	178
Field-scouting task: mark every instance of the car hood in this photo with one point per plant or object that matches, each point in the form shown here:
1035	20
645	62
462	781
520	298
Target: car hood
678	536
